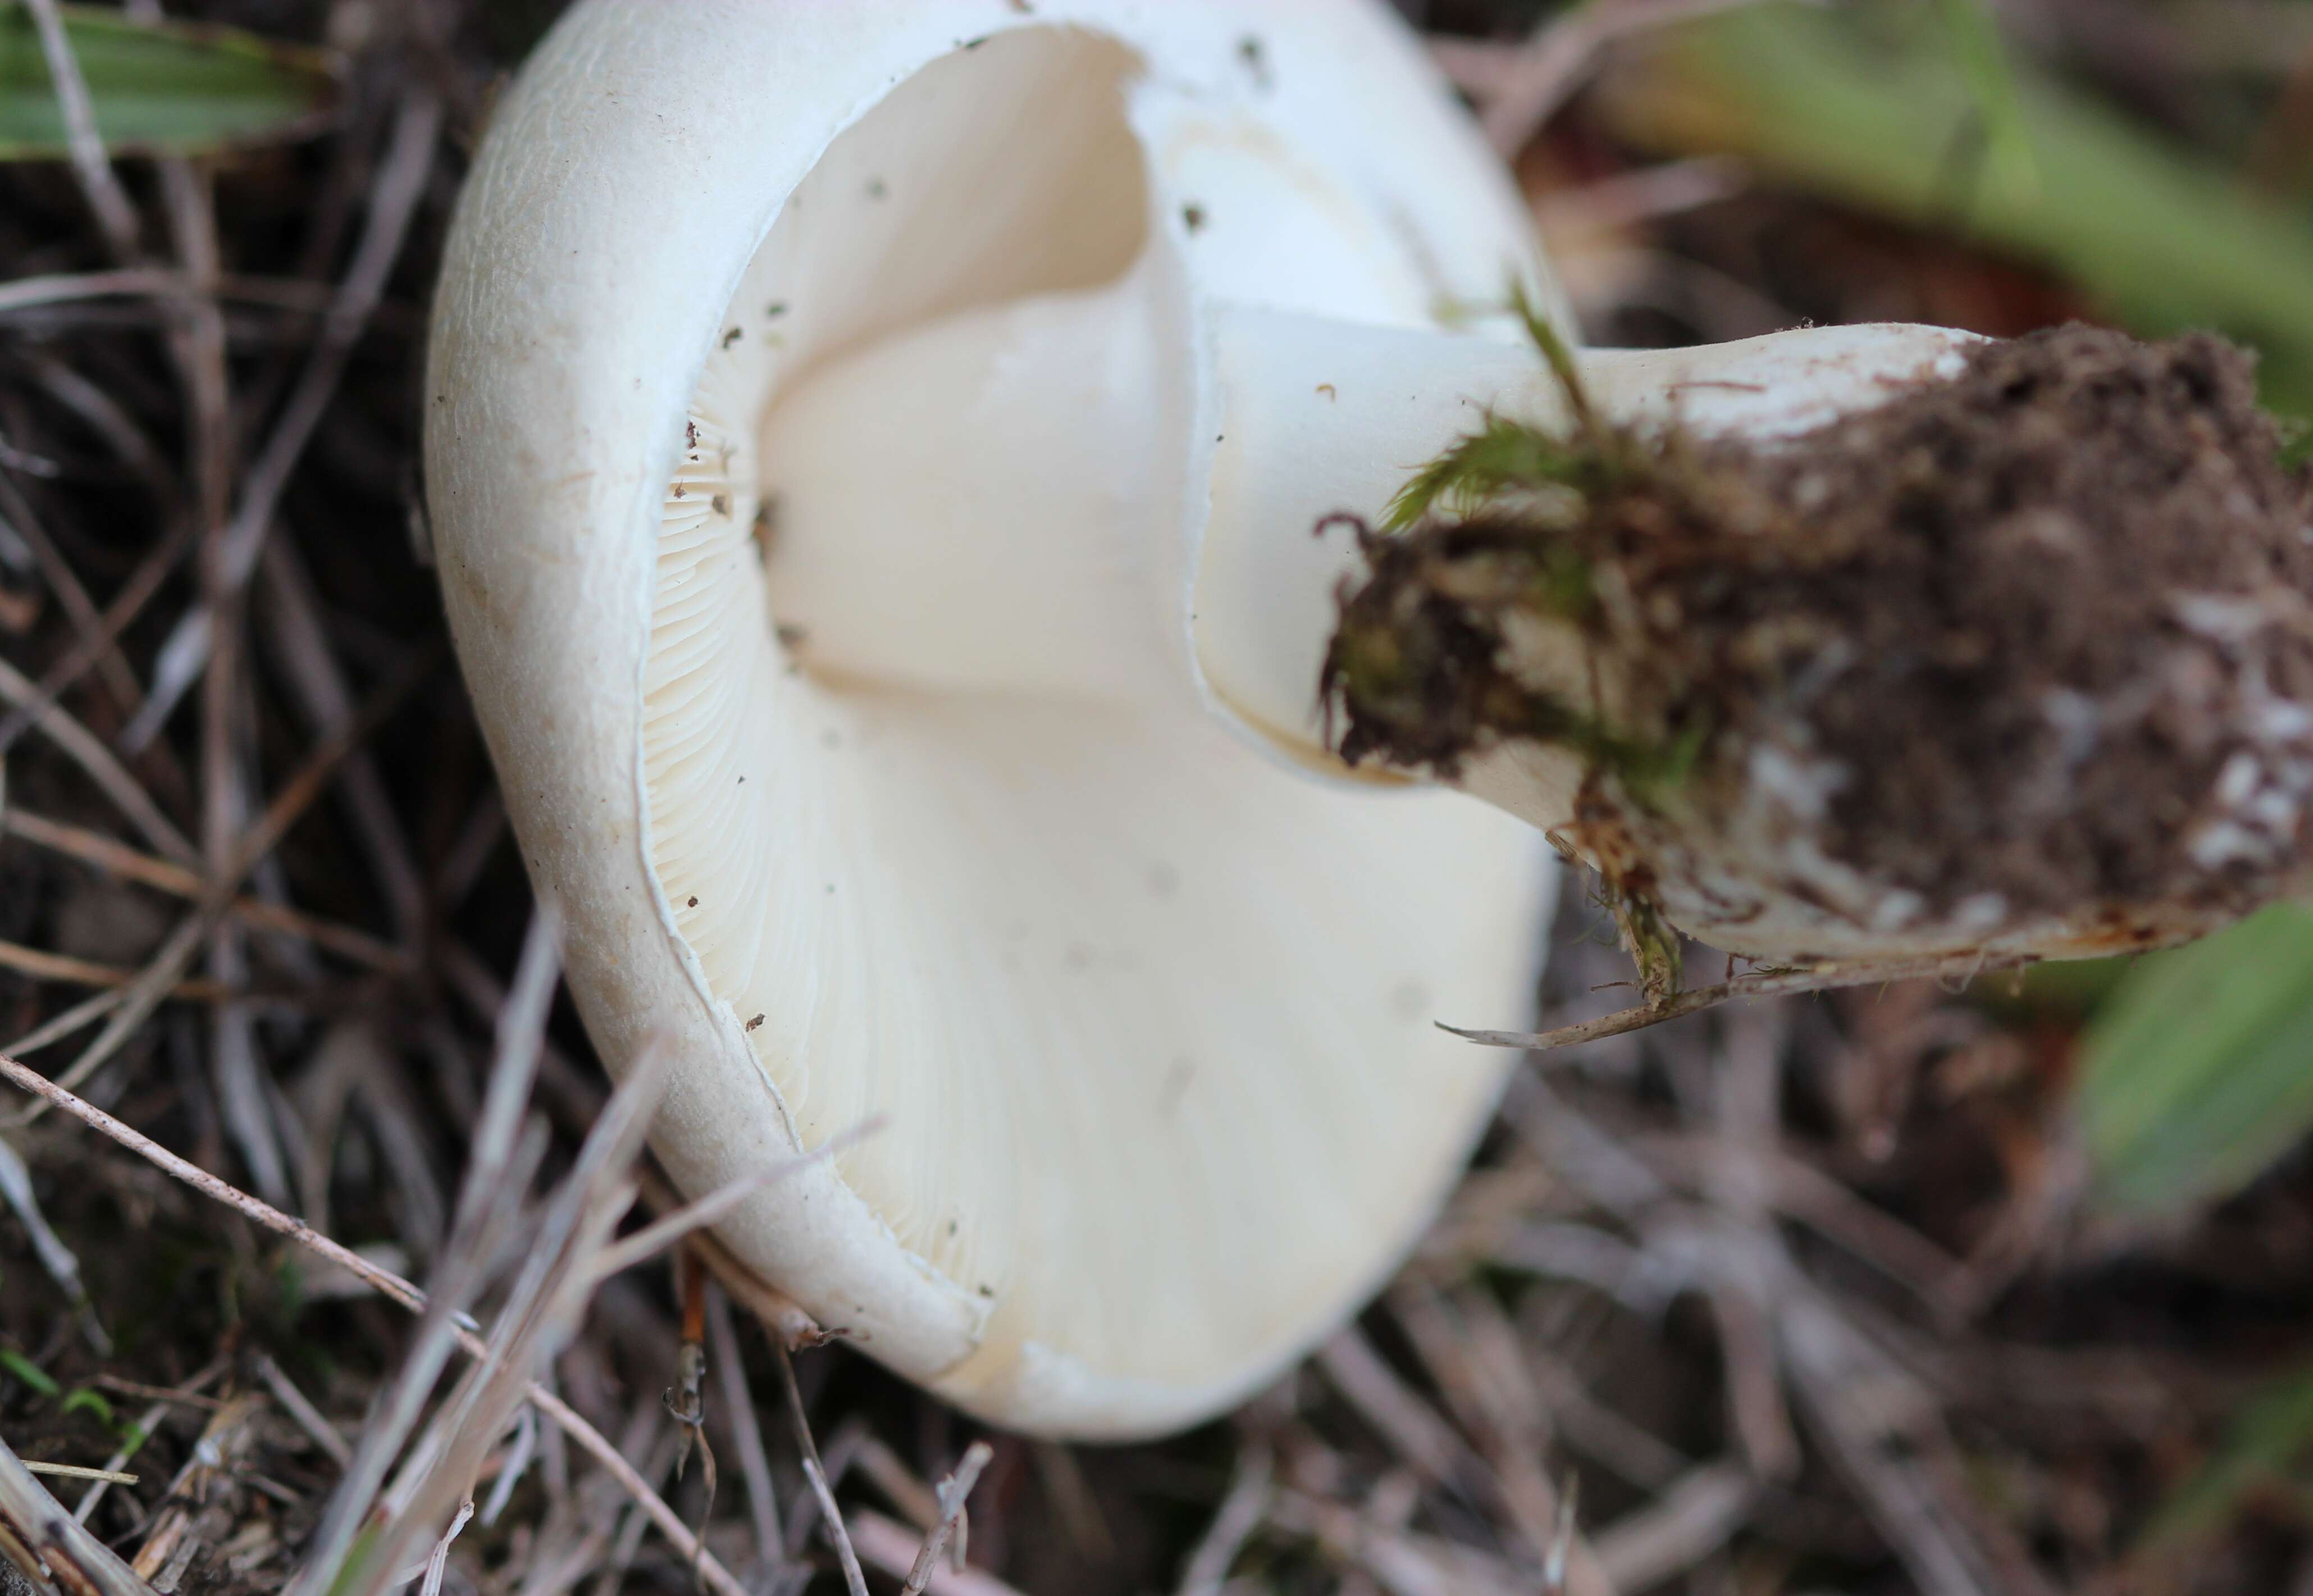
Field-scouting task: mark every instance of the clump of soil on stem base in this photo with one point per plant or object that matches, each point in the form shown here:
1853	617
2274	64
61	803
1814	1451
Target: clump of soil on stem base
2041	635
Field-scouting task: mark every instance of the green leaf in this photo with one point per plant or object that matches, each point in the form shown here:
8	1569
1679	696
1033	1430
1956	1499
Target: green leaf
161	88
2195	1074
81	1400
1878	108
30	1372
1984	59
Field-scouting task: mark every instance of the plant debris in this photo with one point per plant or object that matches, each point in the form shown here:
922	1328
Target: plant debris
2036	638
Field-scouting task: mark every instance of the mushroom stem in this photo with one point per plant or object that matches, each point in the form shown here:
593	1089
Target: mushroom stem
1322	421
976	504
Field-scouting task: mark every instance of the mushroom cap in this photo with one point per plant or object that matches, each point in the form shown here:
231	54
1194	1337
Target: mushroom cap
1148	1015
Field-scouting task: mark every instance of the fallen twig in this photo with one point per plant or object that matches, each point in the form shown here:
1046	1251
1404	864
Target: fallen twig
1654	1544
892	1549
115	217
954	1491
137	999
35	1523
62	1265
402	172
1241	1513
1814	978
815	1472
74	1471
668	1229
739	1412
118	859
301	1409
110	776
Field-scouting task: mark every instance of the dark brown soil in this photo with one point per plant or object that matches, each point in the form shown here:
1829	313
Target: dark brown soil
2051	625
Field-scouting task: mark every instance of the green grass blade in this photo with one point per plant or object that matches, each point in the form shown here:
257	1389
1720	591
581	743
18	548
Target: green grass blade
1984	59
172	89
2199	1072
30	1372
1878	108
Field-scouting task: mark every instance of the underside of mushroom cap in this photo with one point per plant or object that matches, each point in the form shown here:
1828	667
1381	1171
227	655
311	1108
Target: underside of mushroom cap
1148	1017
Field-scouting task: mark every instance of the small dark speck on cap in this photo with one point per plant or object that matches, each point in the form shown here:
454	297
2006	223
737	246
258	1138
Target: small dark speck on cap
1255	57
730	337
1192	217
692	903
754	1022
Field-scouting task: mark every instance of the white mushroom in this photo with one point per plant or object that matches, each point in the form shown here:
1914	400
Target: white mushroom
1150	1014
1032	342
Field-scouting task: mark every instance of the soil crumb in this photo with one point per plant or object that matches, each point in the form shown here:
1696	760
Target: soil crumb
2040	635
